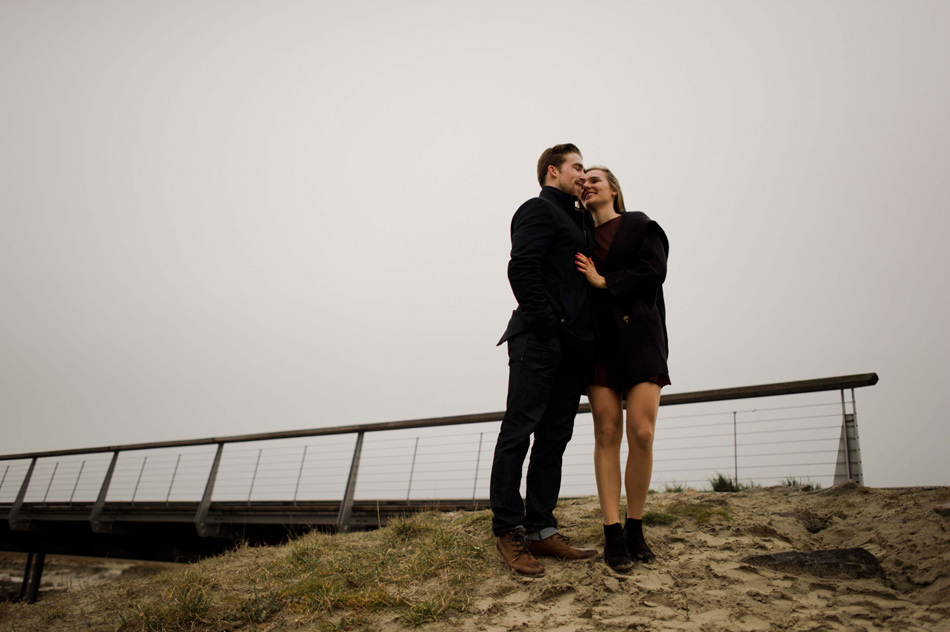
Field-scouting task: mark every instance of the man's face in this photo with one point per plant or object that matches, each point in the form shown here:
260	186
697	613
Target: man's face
570	175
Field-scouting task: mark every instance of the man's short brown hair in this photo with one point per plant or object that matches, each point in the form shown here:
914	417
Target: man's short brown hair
554	157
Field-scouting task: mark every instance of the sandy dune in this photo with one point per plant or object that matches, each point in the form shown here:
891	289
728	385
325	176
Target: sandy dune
699	583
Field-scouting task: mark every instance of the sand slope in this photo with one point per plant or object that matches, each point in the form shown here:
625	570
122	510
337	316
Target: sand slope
699	583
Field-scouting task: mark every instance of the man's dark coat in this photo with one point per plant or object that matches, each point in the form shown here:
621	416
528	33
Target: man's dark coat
553	297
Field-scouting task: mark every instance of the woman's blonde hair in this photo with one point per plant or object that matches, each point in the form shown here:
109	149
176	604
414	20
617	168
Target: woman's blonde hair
614	185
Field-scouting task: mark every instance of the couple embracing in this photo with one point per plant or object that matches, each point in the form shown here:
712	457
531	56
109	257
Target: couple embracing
588	277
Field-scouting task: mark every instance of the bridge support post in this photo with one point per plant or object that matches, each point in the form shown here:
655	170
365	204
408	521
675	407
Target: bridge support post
848	463
95	518
201	518
346	507
30	588
14	515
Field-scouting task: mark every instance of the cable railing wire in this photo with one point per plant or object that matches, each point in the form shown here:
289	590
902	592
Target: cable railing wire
427	462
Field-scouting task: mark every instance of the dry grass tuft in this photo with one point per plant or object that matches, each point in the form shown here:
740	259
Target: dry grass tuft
184	604
725	483
422	568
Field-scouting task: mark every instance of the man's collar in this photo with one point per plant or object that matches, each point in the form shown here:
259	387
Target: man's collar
565	200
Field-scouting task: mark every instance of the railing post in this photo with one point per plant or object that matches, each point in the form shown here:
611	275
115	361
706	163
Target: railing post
848	464
254	477
172	483
76	484
95	518
50	484
735	448
346	506
13	517
412	470
139	479
201	518
303	459
478	462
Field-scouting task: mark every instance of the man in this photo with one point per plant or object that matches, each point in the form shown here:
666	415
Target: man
549	336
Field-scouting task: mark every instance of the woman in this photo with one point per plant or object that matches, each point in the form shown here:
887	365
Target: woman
627	273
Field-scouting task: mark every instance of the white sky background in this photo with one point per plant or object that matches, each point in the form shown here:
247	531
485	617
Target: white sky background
232	217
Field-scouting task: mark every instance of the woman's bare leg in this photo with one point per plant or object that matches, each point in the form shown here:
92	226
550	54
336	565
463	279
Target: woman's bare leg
643	403
605	405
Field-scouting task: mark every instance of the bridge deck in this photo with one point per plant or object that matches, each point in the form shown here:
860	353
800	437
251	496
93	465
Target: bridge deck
167	531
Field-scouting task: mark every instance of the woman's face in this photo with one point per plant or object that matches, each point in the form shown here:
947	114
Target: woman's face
597	191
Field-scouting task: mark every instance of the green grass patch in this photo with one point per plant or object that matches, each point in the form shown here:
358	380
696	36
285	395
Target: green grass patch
410	526
430	610
800	484
258	607
725	483
422	565
184	605
421	568
346	624
659	519
680	510
700	512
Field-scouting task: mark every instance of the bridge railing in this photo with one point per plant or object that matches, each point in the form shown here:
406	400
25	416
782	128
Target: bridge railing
804	431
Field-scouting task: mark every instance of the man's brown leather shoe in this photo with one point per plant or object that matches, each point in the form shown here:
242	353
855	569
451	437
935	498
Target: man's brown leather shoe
514	550
560	547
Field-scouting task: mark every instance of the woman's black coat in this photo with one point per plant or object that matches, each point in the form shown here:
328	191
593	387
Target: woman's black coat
630	315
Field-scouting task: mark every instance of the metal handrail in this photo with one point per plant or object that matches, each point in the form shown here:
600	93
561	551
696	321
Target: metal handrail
671	399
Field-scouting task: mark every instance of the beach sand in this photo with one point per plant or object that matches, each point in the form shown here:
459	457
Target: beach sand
700	581
65	573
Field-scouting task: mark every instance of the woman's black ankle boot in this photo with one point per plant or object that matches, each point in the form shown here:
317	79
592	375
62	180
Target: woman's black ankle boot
615	550
636	545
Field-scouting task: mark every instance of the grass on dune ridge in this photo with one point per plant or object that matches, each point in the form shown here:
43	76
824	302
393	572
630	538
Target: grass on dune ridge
420	568
423	567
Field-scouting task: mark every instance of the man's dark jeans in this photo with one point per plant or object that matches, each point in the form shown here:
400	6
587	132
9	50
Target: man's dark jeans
544	385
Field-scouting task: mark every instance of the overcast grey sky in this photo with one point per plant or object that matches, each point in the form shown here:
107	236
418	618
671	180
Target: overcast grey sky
233	217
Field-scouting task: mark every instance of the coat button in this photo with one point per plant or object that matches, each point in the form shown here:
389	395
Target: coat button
626	318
